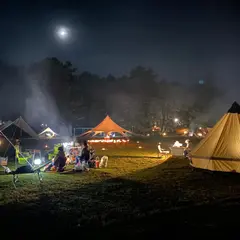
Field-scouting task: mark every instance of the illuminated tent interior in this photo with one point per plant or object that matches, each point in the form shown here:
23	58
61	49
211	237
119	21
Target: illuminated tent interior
18	128
220	149
47	133
107	129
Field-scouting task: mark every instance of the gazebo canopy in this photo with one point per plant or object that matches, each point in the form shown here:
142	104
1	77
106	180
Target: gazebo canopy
107	126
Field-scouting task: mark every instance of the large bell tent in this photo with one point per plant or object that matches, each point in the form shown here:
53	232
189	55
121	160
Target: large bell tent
220	149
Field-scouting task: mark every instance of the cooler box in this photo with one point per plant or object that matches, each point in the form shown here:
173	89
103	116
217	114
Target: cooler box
177	151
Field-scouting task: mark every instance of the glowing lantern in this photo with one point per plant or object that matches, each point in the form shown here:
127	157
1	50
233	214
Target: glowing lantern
108	140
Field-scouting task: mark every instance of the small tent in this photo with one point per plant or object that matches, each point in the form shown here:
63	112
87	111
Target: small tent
47	133
18	128
220	149
106	127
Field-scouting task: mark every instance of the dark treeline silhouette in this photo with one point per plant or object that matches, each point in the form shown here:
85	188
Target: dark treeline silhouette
51	90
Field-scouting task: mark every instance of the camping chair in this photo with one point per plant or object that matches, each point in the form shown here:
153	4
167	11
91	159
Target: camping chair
26	169
162	152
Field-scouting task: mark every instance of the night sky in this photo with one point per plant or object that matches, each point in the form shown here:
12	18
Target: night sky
182	41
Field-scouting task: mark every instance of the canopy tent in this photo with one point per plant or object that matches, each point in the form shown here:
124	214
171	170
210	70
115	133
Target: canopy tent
47	133
107	126
19	128
220	149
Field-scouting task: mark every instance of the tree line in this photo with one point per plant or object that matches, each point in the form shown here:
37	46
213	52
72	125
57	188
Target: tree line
137	101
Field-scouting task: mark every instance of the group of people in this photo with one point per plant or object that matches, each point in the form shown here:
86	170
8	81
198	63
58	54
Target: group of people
86	159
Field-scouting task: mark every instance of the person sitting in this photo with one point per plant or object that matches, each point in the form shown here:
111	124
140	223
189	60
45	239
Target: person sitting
50	166
161	151
85	156
60	160
68	161
92	157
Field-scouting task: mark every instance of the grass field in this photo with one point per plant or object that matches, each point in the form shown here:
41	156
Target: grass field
133	197
144	147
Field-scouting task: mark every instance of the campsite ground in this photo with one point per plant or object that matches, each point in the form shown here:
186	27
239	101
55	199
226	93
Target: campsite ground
133	197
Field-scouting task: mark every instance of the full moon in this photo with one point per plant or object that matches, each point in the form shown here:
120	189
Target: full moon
63	33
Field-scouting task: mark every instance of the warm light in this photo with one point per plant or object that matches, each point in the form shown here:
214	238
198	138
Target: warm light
200	128
185	132
103	149
190	134
148	135
164	134
139	146
109	141
199	134
137	141
176	120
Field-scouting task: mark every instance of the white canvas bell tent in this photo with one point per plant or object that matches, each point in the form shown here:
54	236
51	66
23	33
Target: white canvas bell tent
106	127
19	128
220	149
48	133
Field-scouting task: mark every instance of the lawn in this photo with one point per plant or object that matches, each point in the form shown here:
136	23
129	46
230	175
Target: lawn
133	197
131	149
144	147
